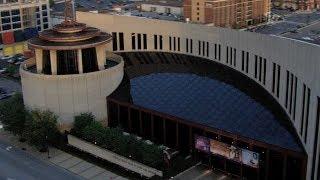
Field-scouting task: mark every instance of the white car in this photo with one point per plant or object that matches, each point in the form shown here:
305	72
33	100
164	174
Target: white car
3	70
6	57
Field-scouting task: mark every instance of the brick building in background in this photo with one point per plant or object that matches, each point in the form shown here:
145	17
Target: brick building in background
227	13
20	21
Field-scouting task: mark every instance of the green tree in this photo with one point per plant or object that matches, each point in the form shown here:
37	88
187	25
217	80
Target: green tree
12	113
80	122
41	127
51	3
12	69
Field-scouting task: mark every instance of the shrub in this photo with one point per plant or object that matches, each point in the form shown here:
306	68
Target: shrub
41	128
114	140
81	121
12	113
94	132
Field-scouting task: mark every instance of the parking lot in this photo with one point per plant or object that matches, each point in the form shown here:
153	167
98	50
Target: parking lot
309	33
302	26
92	5
8	86
292	21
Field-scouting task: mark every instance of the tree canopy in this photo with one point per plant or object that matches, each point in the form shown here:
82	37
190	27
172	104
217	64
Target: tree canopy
12	113
41	127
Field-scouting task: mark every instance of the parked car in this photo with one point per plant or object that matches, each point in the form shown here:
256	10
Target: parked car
22	58
5	58
3	70
11	60
16	58
18	63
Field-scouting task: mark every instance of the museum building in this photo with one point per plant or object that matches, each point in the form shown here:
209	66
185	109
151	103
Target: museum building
244	103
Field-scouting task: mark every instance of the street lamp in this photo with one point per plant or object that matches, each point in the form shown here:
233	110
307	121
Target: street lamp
47	147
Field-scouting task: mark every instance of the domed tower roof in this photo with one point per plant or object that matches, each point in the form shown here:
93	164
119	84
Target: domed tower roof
70	34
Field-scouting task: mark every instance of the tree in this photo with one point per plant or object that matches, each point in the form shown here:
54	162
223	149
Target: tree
80	122
12	113
51	3
11	69
41	127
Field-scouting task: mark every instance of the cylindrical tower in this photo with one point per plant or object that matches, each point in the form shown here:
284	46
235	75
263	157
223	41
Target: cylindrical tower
71	72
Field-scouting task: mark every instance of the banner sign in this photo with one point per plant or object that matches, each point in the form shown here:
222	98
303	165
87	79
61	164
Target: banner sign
226	150
231	152
202	144
250	158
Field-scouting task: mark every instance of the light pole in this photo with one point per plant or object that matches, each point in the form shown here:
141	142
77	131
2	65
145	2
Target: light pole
47	147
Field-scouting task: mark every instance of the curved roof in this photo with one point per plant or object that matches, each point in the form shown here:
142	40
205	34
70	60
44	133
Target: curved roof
87	43
205	93
211	103
70	35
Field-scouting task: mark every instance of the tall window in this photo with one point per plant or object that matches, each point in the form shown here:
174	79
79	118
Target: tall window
160	41
145	45
155	38
114	41
89	60
67	62
46	62
121	41
139	41
133	41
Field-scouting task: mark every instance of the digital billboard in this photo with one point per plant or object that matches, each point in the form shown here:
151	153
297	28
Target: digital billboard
250	158
202	144
226	150
231	152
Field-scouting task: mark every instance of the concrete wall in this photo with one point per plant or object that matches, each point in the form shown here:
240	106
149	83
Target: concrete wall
70	95
300	59
113	157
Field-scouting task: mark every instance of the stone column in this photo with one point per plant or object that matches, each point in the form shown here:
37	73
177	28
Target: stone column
101	56
53	61
80	65
39	61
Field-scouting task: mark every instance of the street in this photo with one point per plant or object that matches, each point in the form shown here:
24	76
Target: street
15	164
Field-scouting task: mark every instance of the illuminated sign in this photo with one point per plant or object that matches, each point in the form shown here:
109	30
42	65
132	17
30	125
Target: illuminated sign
250	158
202	143
226	150
231	152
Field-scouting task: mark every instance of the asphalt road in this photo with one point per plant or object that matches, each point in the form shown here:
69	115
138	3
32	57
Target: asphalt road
15	164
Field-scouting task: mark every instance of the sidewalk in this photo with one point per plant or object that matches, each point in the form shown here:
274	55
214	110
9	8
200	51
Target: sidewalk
64	160
201	172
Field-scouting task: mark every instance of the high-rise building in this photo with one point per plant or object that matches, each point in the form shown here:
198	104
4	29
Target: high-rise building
227	13
22	20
